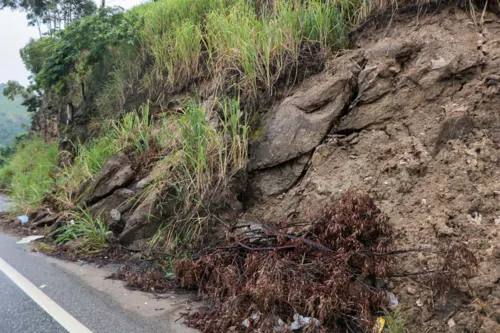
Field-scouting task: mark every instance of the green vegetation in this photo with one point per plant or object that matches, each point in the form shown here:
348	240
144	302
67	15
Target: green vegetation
204	160
242	45
87	234
28	175
54	14
246	47
14	119
110	62
395	321
76	49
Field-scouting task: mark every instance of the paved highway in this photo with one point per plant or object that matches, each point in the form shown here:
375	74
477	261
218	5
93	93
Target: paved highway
40	294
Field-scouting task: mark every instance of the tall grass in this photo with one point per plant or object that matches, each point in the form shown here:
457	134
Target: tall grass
90	158
87	232
244	44
134	131
28	176
204	158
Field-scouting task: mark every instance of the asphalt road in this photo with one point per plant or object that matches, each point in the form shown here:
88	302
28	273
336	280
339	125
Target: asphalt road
80	290
18	313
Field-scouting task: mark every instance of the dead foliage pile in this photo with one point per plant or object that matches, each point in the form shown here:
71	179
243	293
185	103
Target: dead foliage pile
325	269
150	279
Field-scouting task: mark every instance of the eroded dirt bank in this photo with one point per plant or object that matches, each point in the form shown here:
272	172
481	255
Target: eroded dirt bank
412	116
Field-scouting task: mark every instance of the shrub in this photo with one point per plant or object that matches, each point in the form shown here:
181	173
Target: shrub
28	176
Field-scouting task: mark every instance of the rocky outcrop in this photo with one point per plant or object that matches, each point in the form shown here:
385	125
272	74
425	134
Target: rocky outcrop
298	124
122	200
144	221
117	173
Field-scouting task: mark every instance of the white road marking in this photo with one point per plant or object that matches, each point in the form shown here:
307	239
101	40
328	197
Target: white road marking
52	308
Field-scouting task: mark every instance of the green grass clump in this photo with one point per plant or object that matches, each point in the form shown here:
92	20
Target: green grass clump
395	321
28	176
88	234
200	160
133	131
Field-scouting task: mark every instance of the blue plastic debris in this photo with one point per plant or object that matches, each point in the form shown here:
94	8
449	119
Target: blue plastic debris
23	218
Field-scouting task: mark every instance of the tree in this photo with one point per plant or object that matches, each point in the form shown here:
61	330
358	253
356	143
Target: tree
35	53
81	45
32	97
56	14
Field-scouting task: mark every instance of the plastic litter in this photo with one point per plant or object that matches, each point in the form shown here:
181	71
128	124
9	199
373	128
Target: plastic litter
393	301
29	239
253	318
379	325
298	323
23	218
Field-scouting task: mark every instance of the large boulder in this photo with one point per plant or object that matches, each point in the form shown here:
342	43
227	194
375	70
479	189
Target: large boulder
145	219
299	124
117	173
121	201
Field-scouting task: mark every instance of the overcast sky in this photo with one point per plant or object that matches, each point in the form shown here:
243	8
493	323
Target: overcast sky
15	34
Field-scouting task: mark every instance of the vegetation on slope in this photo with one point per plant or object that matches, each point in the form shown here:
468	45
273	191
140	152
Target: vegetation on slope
113	61
28	175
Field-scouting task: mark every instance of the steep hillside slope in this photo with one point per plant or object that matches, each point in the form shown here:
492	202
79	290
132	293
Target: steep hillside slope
410	116
14	119
232	156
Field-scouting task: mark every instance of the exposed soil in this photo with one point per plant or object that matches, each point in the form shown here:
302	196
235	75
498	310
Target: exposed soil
422	137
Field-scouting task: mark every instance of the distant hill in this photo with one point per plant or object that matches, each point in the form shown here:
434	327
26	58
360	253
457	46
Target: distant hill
14	119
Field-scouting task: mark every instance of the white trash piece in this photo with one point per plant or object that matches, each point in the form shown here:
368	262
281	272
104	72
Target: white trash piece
393	301
253	318
298	323
29	239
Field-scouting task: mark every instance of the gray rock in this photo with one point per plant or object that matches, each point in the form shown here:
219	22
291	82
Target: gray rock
121	200
278	179
115	174
144	221
115	215
301	121
45	219
454	128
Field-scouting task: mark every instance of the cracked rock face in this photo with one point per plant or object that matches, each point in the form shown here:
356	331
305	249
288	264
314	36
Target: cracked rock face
117	173
301	121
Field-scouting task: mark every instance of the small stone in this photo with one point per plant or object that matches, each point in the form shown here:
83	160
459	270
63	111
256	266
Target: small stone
115	215
419	303
110	236
497	220
424	202
475	218
451	323
411	290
